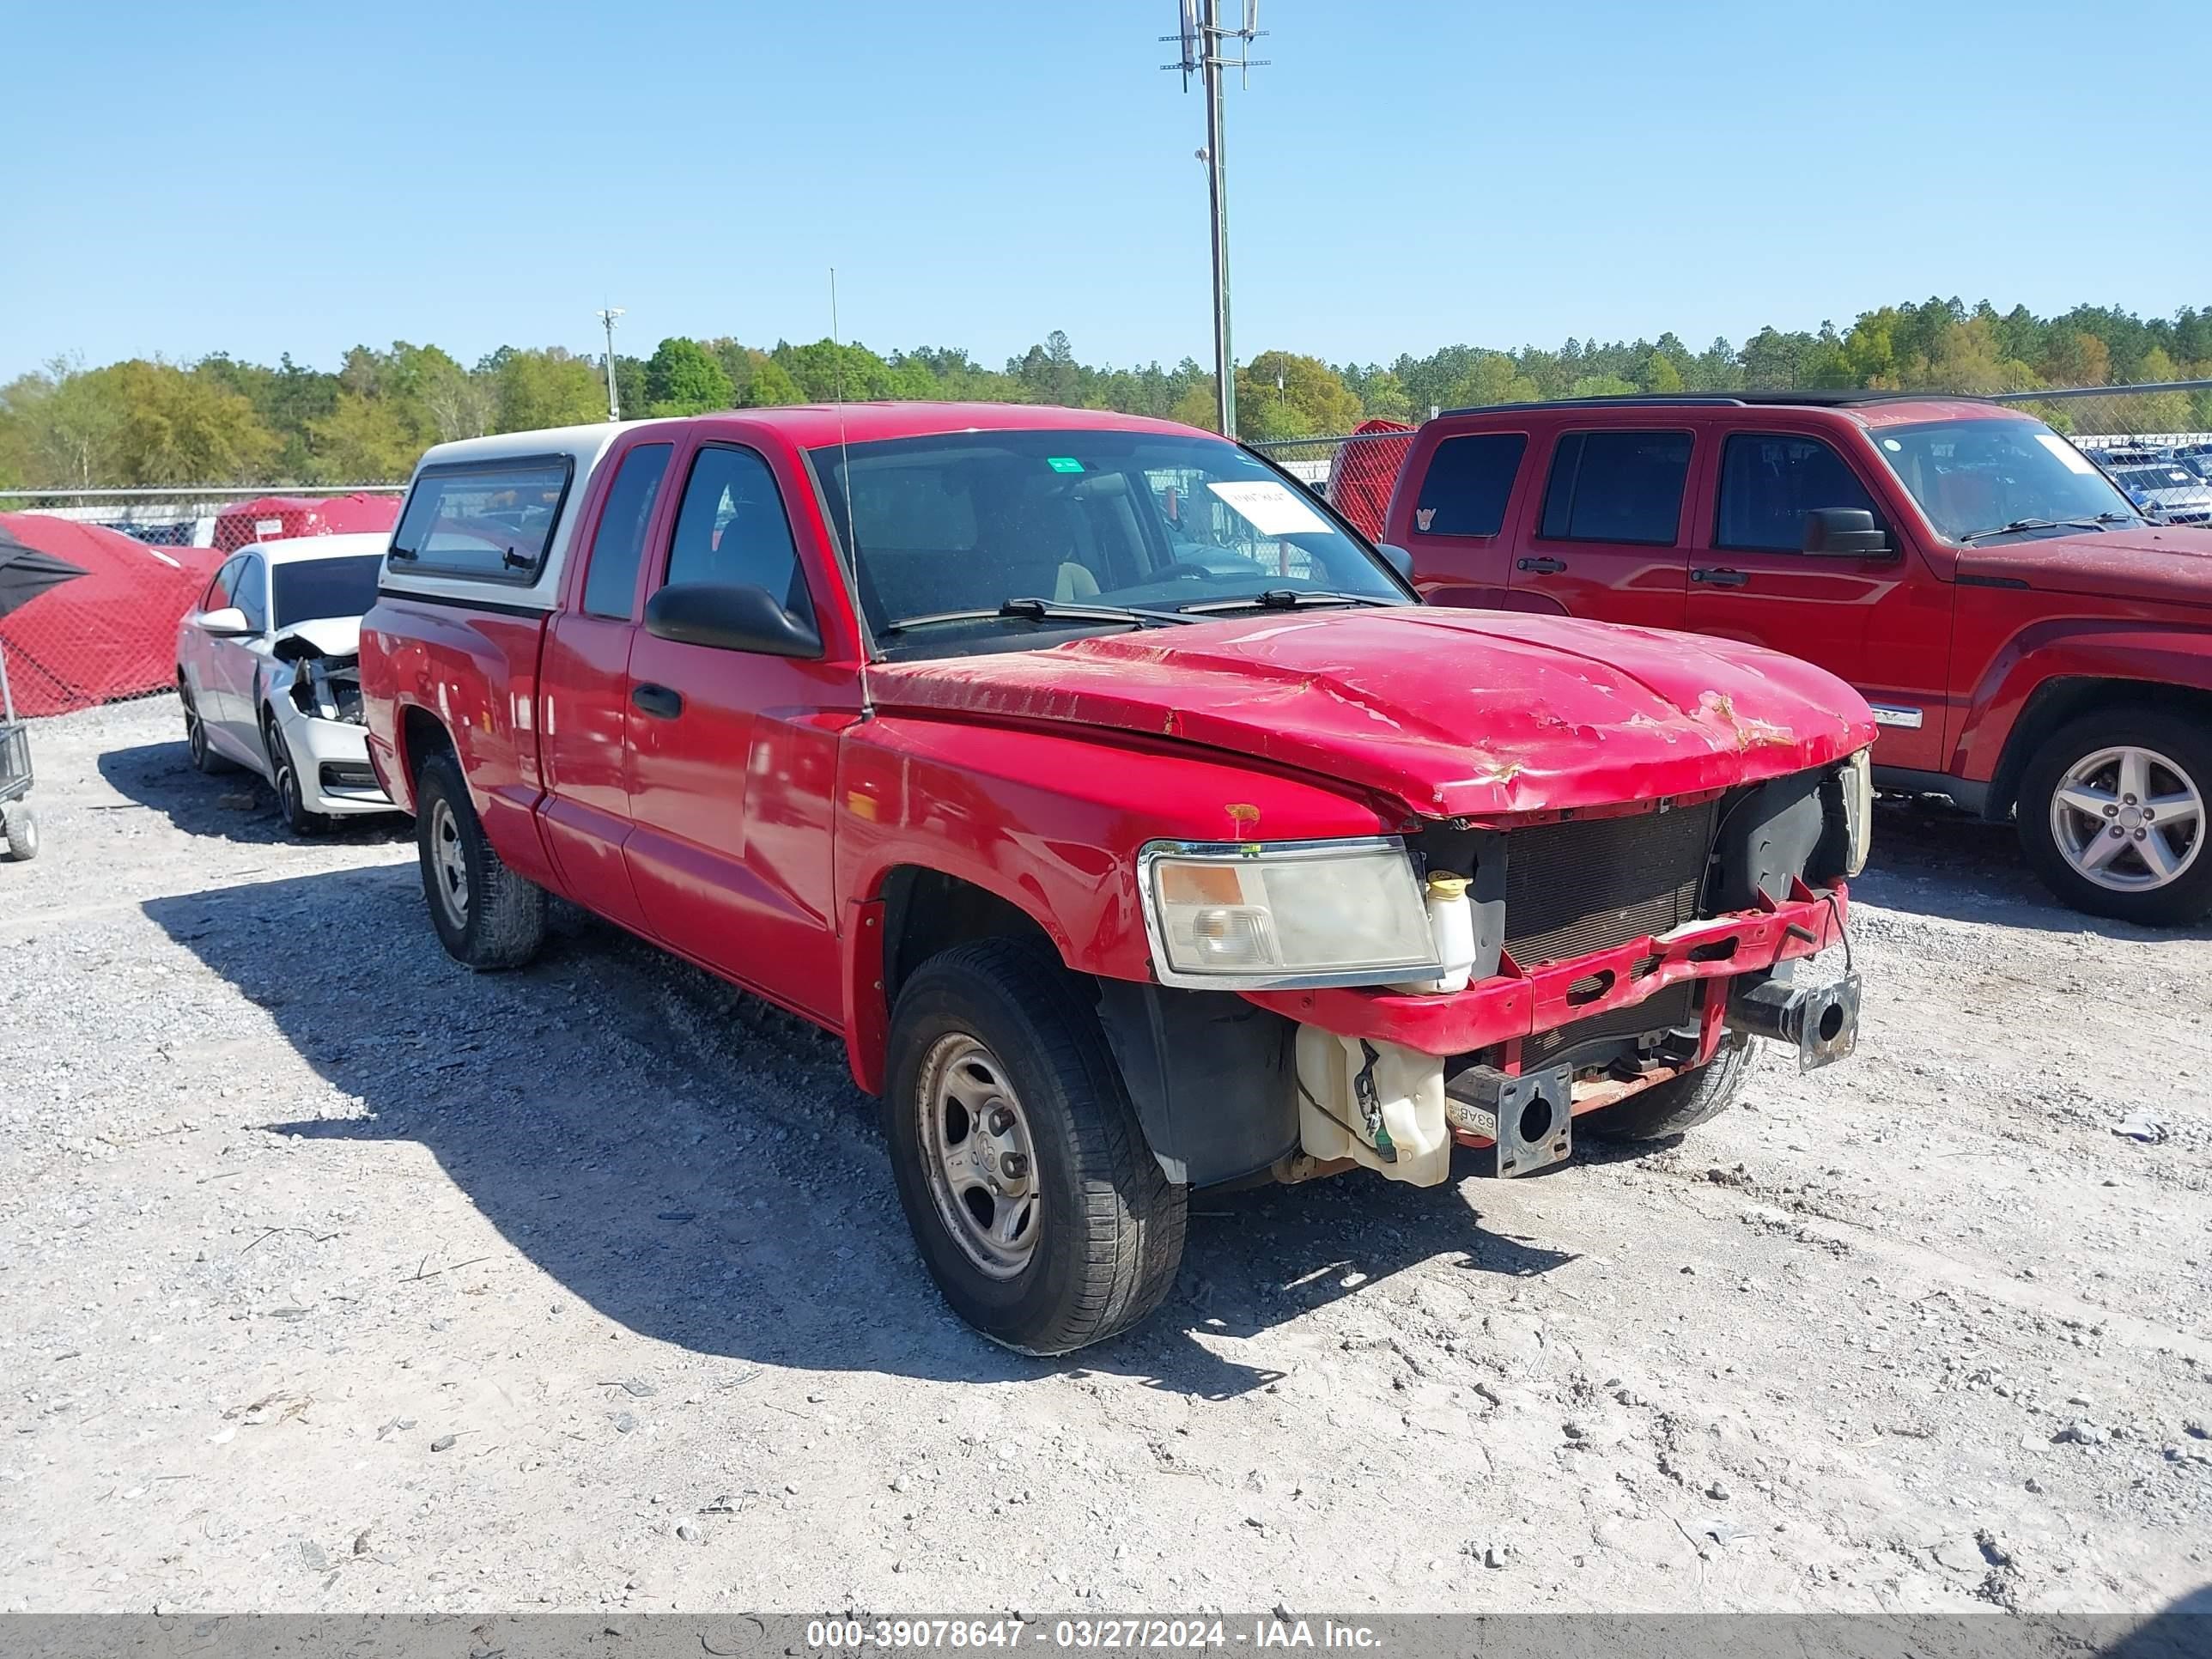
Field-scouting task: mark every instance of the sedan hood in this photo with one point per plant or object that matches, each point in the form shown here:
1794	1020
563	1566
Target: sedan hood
1452	713
2165	564
327	636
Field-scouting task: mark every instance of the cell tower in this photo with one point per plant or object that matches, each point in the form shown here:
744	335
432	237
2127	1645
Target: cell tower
1205	48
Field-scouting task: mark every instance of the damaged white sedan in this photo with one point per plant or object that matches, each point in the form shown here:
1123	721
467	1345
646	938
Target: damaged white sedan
268	668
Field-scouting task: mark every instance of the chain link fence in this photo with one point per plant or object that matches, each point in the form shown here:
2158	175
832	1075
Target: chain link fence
144	557
2155	440
147	554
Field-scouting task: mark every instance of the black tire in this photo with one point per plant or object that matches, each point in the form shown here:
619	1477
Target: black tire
2186	747
499	921
1108	1225
21	826
204	758
284	779
1681	1103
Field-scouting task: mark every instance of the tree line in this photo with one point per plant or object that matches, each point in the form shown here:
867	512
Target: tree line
223	420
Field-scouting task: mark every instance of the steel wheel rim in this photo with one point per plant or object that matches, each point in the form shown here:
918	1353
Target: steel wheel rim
195	733
2128	819
449	863
976	1149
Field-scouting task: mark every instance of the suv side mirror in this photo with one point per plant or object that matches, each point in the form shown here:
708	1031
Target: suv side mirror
1849	530
227	622
738	617
1397	558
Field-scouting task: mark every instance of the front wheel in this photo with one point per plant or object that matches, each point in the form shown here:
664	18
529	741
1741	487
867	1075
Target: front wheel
2111	816
1681	1103
284	779
486	916
1039	1209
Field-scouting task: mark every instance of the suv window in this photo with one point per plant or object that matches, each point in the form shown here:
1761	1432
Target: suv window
492	520
733	530
610	576
1769	483
1467	484
1616	487
251	595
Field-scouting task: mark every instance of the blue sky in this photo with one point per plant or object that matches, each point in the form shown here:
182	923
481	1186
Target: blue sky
258	178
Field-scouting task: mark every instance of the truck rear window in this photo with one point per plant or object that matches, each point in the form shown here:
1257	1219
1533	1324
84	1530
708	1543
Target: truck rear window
492	520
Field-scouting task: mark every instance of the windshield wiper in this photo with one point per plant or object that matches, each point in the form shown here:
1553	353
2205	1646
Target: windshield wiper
1285	598
2097	523
1036	609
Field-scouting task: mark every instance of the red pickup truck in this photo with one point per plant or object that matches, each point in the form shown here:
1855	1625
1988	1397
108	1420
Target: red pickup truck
2033	645
1119	808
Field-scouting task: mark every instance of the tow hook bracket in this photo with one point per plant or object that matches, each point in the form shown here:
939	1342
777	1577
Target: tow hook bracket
1821	1020
1530	1117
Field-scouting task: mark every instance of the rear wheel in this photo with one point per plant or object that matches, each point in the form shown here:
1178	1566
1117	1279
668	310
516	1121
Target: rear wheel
1039	1209
284	778
1681	1103
486	916
20	828
2112	815
204	757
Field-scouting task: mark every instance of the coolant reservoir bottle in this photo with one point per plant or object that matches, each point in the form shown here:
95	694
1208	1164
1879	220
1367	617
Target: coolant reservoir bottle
1451	924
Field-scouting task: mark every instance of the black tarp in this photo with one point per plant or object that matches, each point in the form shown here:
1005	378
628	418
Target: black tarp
26	573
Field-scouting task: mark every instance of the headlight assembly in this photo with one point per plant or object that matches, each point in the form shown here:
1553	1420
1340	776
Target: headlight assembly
1858	778
1254	915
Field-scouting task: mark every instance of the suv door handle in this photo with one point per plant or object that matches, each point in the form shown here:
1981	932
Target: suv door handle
657	701
1541	567
1717	578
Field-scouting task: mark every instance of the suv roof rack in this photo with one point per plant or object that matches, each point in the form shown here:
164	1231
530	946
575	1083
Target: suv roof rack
1823	400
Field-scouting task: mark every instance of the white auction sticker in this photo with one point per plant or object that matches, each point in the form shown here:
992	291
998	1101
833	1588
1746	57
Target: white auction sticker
1271	508
2073	460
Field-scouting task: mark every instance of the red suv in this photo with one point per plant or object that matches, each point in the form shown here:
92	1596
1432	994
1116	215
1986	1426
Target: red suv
2031	642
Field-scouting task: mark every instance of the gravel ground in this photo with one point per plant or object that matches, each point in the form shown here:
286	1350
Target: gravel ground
333	1277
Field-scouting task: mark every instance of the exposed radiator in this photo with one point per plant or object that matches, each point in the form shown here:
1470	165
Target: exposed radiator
1588	884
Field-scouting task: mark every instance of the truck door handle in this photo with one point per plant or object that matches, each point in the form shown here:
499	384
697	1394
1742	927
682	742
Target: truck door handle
1541	567
1713	578
657	701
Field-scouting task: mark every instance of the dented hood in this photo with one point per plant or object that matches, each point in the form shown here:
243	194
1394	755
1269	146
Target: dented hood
327	636
1452	713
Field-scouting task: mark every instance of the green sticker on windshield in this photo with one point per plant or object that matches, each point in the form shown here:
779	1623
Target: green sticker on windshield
1063	463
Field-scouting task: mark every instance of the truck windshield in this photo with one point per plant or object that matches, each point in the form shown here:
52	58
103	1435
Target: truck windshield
949	528
1979	478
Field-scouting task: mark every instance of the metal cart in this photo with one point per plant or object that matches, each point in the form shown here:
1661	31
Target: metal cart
18	823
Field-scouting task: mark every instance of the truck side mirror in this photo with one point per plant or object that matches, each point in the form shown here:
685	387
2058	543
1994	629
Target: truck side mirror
1397	558
1847	531
734	616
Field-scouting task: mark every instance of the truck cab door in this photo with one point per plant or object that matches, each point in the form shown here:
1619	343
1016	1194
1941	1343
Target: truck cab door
1877	620
1606	539
584	693
733	755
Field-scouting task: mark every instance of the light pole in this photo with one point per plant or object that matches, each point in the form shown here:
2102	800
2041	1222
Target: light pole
1201	35
614	399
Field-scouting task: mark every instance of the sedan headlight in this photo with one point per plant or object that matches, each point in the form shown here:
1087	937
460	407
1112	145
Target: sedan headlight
1858	779
1254	915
